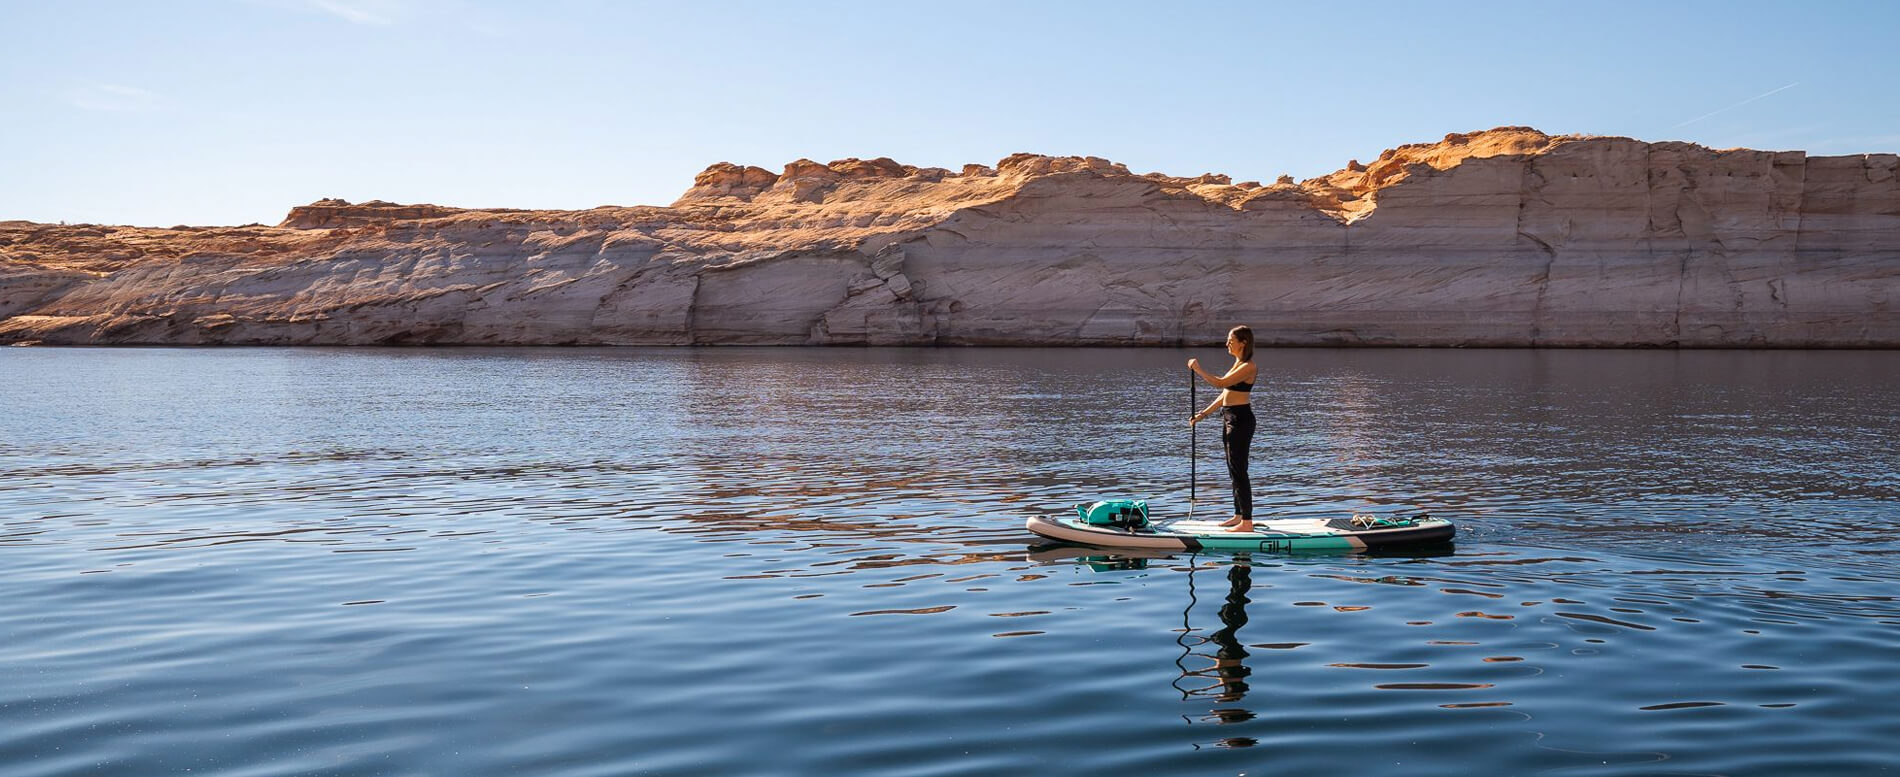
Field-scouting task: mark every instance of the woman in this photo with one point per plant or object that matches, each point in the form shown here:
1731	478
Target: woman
1237	422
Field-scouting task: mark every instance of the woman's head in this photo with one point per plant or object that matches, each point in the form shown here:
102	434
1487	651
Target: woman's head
1240	343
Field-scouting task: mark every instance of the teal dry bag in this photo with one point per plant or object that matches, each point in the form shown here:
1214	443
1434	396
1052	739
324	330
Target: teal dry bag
1126	513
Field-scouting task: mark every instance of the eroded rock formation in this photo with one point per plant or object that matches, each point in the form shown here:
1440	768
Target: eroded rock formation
1499	238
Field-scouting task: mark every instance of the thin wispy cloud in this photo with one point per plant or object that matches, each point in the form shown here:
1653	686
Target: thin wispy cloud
378	13
479	18
354	13
113	98
1738	105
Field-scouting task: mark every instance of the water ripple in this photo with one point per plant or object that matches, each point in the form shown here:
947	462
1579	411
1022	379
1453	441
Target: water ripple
556	562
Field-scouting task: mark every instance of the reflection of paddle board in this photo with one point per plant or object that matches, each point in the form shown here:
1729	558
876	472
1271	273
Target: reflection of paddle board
1268	535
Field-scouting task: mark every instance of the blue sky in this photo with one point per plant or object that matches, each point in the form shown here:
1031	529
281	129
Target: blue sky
232	111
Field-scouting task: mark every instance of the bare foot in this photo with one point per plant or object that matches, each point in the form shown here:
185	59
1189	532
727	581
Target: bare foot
1234	521
1244	527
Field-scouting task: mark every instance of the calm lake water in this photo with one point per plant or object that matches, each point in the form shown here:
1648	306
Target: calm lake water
812	562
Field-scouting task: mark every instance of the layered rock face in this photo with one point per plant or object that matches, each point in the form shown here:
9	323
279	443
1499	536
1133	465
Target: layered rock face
1507	237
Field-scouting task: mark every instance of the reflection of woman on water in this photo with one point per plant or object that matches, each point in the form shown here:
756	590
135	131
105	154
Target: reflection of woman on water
1229	652
1229	671
1237	421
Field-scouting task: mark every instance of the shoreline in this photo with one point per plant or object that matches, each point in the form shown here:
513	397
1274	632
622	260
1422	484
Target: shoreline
939	346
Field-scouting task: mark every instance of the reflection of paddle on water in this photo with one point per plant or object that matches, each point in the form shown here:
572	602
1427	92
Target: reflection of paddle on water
1227	677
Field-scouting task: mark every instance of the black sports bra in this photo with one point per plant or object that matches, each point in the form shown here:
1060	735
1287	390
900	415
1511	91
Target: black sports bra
1243	386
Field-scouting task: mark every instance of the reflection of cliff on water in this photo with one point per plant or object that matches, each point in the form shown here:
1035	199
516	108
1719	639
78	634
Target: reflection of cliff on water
822	518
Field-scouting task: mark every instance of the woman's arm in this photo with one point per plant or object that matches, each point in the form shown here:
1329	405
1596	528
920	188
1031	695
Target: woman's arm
1211	409
1241	373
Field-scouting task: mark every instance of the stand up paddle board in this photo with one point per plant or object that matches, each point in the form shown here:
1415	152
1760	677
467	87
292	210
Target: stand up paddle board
1351	533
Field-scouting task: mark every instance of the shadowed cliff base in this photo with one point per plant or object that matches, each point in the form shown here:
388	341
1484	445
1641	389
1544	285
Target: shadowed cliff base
1507	237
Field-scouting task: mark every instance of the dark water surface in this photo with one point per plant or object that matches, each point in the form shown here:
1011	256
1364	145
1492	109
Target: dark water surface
784	562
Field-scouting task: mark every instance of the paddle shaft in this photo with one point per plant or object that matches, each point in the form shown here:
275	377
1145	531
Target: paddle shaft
1194	439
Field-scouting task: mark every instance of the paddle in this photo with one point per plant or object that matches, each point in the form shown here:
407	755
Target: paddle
1194	441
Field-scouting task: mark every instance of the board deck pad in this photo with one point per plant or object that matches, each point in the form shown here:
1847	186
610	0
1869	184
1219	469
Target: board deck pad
1262	527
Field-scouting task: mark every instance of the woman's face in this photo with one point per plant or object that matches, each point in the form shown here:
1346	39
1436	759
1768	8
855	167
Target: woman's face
1233	345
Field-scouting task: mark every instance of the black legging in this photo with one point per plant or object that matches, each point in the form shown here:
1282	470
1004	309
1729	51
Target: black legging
1236	436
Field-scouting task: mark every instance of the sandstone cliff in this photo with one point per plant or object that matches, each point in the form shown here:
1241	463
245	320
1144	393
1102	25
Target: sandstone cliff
1506	237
